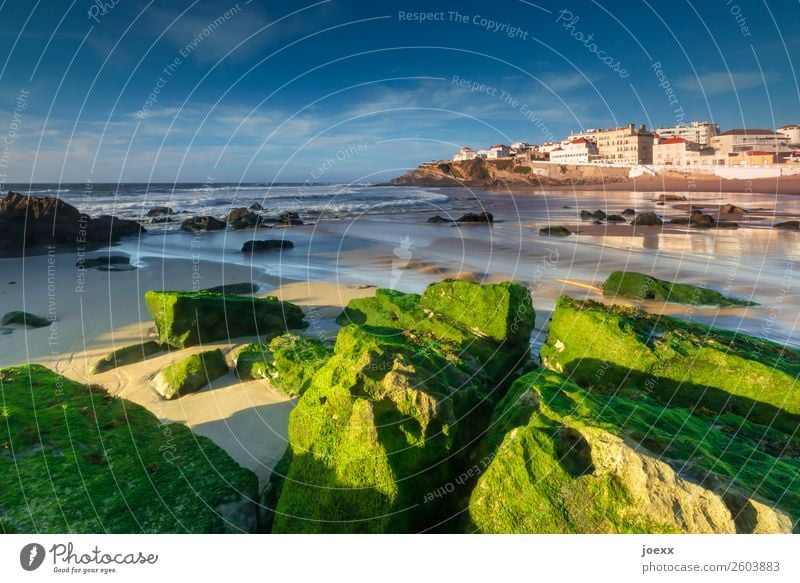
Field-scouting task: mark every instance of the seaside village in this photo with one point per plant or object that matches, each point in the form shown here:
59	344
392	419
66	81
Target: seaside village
686	145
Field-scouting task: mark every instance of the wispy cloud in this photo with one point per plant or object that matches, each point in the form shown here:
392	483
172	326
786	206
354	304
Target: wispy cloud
719	82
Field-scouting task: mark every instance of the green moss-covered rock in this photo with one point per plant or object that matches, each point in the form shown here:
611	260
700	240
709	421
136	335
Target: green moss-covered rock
190	374
390	417
74	459
190	318
24	319
502	312
638	286
127	355
566	459
289	362
611	348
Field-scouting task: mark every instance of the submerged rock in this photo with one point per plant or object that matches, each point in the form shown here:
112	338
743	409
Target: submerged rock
555	232
190	374
104	261
628	213
127	355
24	319
615	219
638	286
190	318
289	362
79	460
267	245
788	225
611	348
670	197
436	219
482	217
204	223
646	220
160	211
569	460
386	420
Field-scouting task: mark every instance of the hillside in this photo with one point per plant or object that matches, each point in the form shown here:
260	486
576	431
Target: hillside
506	172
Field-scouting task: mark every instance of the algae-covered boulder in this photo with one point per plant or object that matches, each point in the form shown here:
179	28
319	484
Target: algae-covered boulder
189	318
563	459
77	460
190	374
289	362
127	355
555	232
638	286
502	312
611	348
24	319
390	417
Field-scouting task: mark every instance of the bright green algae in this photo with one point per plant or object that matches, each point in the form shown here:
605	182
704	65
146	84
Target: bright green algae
638	286
390	416
539	482
186	319
76	459
191	374
289	362
611	348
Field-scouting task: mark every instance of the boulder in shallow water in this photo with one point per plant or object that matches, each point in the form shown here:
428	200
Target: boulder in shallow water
190	374
104	261
732	209
615	219
160	211
290	219
127	355
628	213
788	226
190	318
267	245
241	218
555	232
24	319
438	219
80	460
482	217
646	220
204	223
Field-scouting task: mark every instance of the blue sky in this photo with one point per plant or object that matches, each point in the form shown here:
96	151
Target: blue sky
349	90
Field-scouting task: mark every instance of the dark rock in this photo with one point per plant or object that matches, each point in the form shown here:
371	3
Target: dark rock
788	225
160	220
204	223
25	319
267	245
555	232
117	268
482	217
160	211
628	213
108	228
290	218
599	215
615	219
241	218
702	220
234	288
104	261
256	206
586	215
670	197
439	219
732	209
646	220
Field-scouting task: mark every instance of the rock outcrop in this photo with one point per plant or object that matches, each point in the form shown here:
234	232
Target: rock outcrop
638	286
190	374
563	459
78	460
388	418
30	223
203	223
288	362
190	318
266	245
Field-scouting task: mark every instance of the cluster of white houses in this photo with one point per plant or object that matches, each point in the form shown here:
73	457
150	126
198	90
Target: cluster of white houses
693	144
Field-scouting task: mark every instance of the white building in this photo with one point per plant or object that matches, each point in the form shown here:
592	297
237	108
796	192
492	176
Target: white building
465	153
676	151
499	151
699	132
792	132
578	151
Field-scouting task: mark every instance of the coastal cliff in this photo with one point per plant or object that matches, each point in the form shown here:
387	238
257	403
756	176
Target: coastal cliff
482	173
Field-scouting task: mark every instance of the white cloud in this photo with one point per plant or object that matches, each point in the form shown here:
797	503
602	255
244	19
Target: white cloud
719	82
